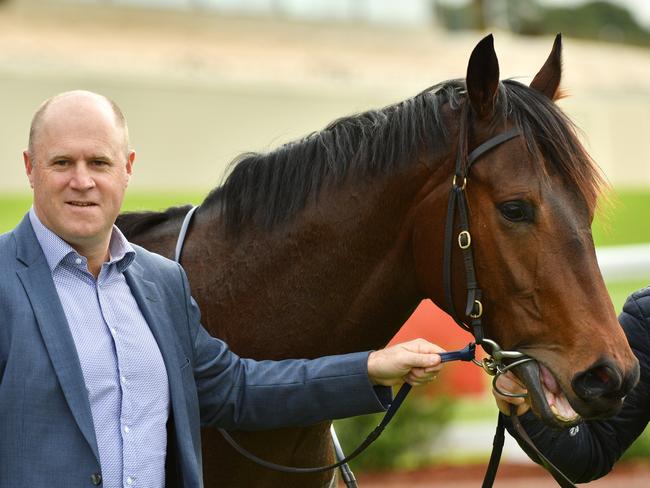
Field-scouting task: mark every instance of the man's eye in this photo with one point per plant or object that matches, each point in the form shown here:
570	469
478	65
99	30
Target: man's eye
517	211
60	162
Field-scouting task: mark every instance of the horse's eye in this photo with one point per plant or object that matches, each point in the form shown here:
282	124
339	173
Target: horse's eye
516	211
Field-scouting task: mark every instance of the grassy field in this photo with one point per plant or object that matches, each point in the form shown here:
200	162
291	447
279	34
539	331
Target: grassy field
619	221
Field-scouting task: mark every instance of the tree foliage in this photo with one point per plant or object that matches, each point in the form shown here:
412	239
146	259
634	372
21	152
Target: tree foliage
595	20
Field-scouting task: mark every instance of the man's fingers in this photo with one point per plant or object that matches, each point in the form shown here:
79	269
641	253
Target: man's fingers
391	365
509	383
418	377
433	369
421	360
422	346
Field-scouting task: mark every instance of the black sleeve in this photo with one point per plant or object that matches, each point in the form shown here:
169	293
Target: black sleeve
589	450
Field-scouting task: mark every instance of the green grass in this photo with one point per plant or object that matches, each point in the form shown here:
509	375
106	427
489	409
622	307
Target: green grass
621	221
13	207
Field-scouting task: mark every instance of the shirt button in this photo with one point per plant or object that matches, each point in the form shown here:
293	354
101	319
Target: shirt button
77	261
126	429
123	379
113	330
96	479
129	481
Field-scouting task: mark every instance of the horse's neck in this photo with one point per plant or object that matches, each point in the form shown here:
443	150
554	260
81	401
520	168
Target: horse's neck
340	276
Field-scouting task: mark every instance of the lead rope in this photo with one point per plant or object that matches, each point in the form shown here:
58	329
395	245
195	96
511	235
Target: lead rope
497	449
466	354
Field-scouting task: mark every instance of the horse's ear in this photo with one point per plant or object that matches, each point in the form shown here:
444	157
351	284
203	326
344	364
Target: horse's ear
547	81
483	77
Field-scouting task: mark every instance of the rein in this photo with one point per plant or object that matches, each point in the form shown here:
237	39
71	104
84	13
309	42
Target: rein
494	364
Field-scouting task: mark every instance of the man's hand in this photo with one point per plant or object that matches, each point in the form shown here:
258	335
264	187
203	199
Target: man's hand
415	362
509	383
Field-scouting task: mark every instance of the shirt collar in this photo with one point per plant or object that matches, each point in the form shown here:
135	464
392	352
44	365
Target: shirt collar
56	249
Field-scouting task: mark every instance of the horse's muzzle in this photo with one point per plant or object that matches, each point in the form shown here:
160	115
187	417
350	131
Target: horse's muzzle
603	386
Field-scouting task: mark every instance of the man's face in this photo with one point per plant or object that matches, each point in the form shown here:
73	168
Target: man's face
79	169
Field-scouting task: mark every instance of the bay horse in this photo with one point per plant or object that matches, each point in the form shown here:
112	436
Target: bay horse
326	245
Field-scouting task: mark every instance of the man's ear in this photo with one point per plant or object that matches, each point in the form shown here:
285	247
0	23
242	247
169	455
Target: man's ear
547	81
130	161
483	77
29	167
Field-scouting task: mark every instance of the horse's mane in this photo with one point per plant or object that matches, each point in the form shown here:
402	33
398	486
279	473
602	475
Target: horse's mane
136	223
268	189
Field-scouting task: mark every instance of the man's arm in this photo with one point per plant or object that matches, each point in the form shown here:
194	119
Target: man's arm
240	393
590	450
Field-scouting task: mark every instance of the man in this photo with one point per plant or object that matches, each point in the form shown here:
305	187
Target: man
105	371
589	450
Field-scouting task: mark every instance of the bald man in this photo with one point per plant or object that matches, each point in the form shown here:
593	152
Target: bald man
106	374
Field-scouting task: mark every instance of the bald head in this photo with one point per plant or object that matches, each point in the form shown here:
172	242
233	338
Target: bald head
71	102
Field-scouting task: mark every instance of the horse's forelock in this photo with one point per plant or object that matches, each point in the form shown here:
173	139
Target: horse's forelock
550	132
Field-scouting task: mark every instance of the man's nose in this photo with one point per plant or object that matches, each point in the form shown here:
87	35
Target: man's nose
82	178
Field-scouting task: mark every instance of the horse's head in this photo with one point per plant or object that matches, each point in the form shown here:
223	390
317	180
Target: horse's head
531	201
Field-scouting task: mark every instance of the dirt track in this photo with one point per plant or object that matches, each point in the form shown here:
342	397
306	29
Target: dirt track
510	476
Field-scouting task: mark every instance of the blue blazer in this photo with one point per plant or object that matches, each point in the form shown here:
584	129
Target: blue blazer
47	436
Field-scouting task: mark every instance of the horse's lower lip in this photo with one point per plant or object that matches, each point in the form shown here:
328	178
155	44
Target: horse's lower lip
555	397
550	407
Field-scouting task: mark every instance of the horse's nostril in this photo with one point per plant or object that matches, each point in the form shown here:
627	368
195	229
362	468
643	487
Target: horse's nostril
602	380
602	374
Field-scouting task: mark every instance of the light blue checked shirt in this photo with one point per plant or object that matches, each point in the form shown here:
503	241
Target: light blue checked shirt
121	363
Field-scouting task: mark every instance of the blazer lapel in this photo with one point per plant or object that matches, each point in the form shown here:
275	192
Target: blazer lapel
151	305
36	278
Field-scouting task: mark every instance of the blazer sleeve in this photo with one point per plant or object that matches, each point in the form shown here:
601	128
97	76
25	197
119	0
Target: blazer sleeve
589	450
244	394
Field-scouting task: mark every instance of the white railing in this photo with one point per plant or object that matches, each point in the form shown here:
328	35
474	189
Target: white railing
620	263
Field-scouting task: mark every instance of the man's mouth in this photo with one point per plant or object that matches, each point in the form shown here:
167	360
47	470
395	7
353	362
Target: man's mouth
81	204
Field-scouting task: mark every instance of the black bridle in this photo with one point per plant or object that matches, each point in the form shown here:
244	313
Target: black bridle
497	363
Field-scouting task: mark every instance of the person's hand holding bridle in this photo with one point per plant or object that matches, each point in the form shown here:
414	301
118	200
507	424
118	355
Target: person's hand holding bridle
415	362
509	383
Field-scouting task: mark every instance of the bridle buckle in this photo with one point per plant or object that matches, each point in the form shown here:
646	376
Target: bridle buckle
478	306
464	239
454	183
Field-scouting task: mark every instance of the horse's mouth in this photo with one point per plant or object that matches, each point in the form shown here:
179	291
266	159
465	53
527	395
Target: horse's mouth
546	396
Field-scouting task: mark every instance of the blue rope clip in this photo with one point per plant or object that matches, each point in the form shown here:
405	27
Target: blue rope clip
465	354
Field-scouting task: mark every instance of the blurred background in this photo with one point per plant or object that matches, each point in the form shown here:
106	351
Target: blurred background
202	81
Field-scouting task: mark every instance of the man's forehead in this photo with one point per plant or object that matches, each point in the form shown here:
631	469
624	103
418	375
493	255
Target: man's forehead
78	106
79	118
